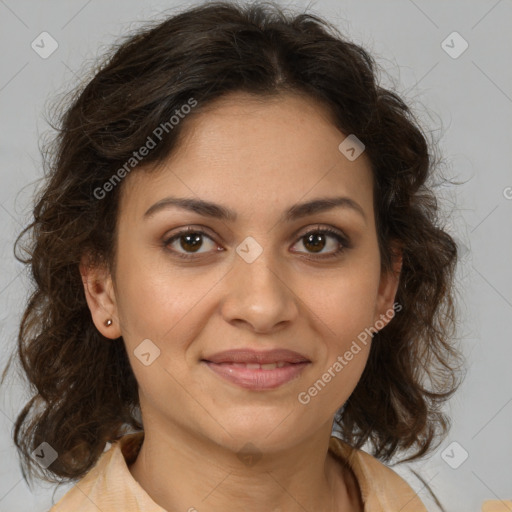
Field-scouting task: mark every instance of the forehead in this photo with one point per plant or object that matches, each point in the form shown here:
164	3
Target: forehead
254	154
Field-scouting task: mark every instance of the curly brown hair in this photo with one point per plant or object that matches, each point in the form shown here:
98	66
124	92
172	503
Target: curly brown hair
85	391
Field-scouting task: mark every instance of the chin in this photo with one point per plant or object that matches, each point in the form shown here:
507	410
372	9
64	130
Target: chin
264	429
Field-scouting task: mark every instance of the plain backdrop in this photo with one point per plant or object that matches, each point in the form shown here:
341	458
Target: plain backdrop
462	95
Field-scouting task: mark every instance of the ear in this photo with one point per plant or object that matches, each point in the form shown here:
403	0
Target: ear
100	296
388	287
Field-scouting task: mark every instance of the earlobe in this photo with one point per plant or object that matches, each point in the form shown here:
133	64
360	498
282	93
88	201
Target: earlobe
100	296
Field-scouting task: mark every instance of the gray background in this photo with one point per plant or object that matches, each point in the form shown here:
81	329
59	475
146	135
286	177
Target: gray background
465	101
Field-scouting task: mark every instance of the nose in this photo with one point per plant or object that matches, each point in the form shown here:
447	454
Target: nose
259	295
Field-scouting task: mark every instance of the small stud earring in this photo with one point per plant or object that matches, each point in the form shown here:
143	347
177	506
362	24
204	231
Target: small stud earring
108	323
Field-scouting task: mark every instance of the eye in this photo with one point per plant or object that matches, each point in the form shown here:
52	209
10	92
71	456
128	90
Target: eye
191	239
316	240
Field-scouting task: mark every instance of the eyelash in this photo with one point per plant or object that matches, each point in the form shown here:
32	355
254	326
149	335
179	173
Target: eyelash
341	239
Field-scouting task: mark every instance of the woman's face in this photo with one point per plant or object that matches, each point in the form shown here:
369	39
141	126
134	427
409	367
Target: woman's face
258	282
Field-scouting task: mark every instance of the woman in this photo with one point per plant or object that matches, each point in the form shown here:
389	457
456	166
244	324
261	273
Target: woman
235	251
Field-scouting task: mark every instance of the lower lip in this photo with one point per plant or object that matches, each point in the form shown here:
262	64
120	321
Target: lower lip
257	379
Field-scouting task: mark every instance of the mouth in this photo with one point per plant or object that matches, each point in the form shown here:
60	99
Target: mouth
257	370
248	356
255	366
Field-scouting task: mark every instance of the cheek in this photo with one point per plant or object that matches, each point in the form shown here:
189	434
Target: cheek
157	306
153	301
343	313
344	303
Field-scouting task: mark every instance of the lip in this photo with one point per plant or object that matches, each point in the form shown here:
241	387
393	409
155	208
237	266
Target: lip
254	356
257	379
231	366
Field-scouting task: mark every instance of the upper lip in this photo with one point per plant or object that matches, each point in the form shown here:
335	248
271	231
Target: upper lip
260	357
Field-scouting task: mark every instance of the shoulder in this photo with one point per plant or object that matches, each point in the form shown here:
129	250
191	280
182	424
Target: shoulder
382	489
109	485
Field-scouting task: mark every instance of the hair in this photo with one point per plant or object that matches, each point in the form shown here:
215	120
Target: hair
205	53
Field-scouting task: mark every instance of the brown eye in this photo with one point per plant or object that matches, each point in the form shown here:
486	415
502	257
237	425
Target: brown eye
190	241
317	240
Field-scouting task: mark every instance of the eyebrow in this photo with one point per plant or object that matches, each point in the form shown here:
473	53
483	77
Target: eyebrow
217	211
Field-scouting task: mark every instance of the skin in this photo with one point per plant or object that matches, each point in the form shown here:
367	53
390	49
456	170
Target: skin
257	157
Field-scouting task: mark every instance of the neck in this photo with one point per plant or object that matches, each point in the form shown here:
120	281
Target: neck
181	471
